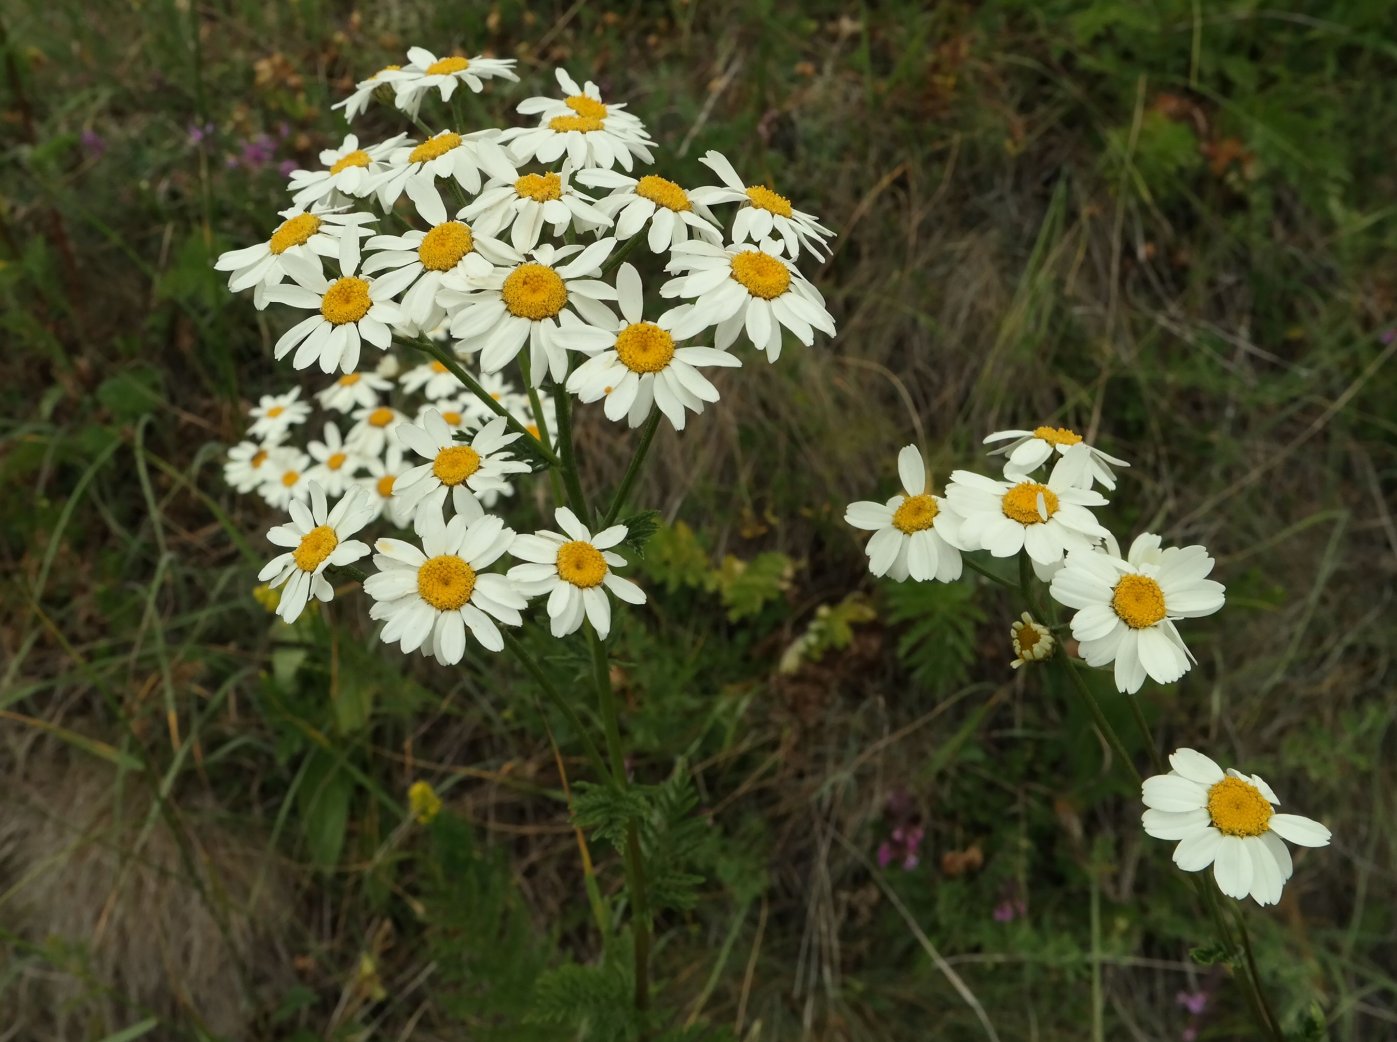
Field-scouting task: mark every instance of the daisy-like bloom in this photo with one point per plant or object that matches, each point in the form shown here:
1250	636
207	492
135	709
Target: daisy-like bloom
335	462
427	73
1126	608
1226	820
1033	642
414	168
373	427
249	463
763	211
301	236
499	388
349	310
1004	517
453	411
744	287
318	538
524	203
575	570
350	171
464	469
913	533
353	391
288	481
379	482
641	366
383	80
276	414
591	132
429	597
664	205
422	259
1029	450
498	313
431	379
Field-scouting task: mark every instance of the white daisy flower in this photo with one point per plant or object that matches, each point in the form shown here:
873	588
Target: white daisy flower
1029	450
380	481
1005	517
453	411
524	204
763	211
640	366
744	287
464	469
373	429
1033	642
430	597
350	172
575	570
501	390
498	313
358	102
353	391
672	215
301	236
1127	607
444	75
1226	820
913	535
414	168
275	414
335	462
431	379
320	539
591	132
350	309
244	468
287	482
422	259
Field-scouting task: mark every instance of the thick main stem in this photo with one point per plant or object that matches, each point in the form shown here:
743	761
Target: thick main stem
565	451
635	869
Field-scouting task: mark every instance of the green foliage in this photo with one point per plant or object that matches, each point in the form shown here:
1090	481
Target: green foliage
675	557
937	646
593	1000
831	629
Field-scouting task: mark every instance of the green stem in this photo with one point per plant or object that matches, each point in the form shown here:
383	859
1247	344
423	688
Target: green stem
633	471
454	367
974	566
1102	724
545	436
1264	1008
545	685
614	261
1155	756
635	869
569	457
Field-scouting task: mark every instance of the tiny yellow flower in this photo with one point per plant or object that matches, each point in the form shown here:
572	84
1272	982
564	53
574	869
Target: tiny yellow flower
267	597
1032	641
424	802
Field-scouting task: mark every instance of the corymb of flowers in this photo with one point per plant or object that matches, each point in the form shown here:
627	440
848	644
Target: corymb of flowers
453	294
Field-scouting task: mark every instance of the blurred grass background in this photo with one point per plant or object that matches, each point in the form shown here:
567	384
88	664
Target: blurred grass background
1168	224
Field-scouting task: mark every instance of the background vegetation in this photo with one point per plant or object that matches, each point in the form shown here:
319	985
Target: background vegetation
1166	223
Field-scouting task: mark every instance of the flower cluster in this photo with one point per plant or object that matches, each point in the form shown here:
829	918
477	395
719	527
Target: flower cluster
457	290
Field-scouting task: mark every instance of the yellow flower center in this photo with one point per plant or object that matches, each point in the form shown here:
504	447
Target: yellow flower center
764	198
446	582
435	147
443	247
275	411
452	417
644	347
587	107
541	188
258	458
437	367
316	545
1238	808
534	291
915	514
455	463
762	274
423	802
581	124
663	192
532	428
446	66
581	564
290	478
1138	601
1021	503
293	232
336	461
347	300
384	486
386	68
348	379
356	158
1057	435
1027	638
381	417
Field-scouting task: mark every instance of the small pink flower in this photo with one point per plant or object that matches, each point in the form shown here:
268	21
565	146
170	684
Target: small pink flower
1008	910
